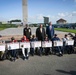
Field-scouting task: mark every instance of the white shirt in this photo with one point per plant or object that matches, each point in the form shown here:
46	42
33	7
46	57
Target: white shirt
41	30
50	27
64	39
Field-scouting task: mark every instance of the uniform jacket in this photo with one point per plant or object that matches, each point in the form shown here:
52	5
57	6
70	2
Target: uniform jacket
27	32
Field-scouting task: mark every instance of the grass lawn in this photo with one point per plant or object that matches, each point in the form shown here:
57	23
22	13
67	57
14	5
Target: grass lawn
66	30
2	29
4	26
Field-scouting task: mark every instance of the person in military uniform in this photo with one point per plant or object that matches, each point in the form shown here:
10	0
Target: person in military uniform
27	32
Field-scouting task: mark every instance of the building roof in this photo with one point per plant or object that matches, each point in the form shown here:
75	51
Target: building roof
61	20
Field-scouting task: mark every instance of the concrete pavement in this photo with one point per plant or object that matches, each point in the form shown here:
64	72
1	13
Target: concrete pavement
45	65
19	31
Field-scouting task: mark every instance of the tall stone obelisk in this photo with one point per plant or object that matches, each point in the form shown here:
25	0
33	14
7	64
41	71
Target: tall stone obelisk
25	12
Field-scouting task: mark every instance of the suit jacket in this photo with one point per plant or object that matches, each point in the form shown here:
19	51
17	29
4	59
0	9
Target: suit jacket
27	32
50	32
40	35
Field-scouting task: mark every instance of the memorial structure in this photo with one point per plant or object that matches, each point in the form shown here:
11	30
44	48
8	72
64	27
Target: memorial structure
25	12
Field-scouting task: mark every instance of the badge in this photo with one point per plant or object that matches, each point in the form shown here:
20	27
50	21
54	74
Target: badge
29	30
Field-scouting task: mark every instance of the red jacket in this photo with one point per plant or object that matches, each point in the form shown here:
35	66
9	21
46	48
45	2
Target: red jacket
14	41
27	40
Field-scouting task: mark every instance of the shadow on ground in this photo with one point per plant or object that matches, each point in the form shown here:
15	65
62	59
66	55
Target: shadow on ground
65	72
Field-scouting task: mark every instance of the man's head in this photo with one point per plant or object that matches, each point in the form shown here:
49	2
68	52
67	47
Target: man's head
24	37
50	23
55	35
12	38
34	36
66	35
46	37
26	26
41	25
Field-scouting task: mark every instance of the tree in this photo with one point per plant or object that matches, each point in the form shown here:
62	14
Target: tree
15	21
0	22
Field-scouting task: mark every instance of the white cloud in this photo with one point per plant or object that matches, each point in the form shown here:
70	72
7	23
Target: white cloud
53	17
70	17
39	17
61	15
36	19
74	13
66	14
3	19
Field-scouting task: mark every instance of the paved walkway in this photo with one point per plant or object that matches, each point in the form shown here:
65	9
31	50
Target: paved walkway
45	65
19	31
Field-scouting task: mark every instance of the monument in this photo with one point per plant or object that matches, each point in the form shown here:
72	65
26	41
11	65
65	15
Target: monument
25	12
46	20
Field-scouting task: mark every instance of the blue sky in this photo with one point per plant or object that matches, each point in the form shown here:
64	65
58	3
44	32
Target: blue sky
54	9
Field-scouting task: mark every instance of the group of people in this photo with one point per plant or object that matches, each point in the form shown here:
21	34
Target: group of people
41	35
47	35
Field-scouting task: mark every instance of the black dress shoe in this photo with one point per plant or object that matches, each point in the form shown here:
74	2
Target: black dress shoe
27	57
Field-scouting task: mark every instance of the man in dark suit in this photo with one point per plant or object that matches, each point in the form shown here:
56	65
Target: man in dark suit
27	32
40	33
50	31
